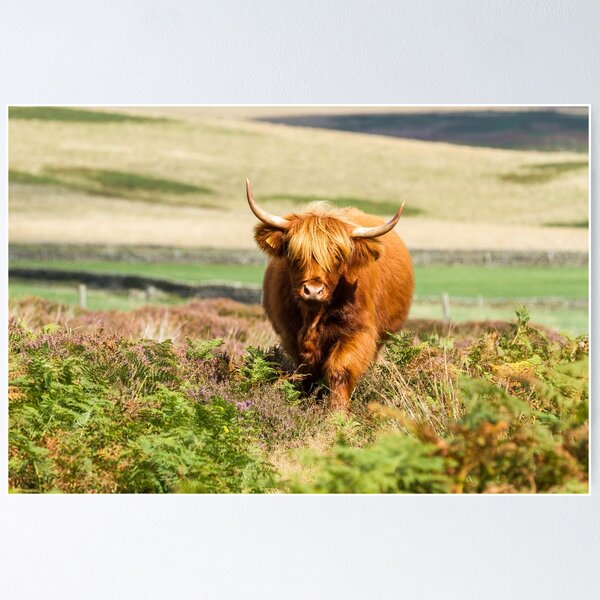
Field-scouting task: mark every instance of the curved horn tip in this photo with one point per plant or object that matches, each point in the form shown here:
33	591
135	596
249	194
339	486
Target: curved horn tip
397	216
378	230
263	215
400	210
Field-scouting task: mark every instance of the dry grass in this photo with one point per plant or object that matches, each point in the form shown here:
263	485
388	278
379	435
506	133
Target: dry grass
239	325
216	149
73	217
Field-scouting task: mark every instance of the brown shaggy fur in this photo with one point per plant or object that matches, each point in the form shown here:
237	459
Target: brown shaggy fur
367	292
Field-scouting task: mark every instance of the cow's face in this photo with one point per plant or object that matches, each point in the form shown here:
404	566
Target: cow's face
312	284
319	247
319	250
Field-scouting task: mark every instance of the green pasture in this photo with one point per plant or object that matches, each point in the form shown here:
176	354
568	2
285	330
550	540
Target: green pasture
96	299
458	281
181	272
574	321
570	320
503	282
515	284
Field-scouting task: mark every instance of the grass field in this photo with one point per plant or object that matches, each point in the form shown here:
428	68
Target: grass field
503	282
571	320
181	272
574	321
176	176
461	281
516	283
96	299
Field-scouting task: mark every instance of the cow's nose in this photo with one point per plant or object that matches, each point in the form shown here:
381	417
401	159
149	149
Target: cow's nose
312	291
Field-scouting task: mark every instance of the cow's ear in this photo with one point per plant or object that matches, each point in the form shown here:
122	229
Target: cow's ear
269	239
364	251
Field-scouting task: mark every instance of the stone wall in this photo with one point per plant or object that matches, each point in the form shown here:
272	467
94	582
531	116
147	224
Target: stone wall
150	254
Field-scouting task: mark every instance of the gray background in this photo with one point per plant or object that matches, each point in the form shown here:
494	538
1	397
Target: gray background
420	52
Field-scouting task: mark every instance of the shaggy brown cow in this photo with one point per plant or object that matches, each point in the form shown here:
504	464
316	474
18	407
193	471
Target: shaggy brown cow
337	281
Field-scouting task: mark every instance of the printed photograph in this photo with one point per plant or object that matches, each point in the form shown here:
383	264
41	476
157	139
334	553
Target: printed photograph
298	299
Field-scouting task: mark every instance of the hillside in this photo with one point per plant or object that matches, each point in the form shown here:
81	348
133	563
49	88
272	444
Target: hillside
175	176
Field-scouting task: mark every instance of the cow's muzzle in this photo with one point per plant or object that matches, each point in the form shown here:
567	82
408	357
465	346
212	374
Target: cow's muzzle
313	292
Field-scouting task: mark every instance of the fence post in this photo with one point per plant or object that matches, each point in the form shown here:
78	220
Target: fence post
446	307
82	292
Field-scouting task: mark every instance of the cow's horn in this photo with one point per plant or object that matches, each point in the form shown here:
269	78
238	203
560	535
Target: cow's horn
373	232
263	215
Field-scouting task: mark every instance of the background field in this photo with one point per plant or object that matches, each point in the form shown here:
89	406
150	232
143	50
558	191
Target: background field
176	177
493	179
142	390
509	282
556	297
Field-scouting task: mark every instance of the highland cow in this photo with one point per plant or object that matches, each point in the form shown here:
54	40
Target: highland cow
337	281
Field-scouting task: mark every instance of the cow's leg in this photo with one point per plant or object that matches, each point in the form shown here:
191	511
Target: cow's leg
310	356
347	362
308	377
